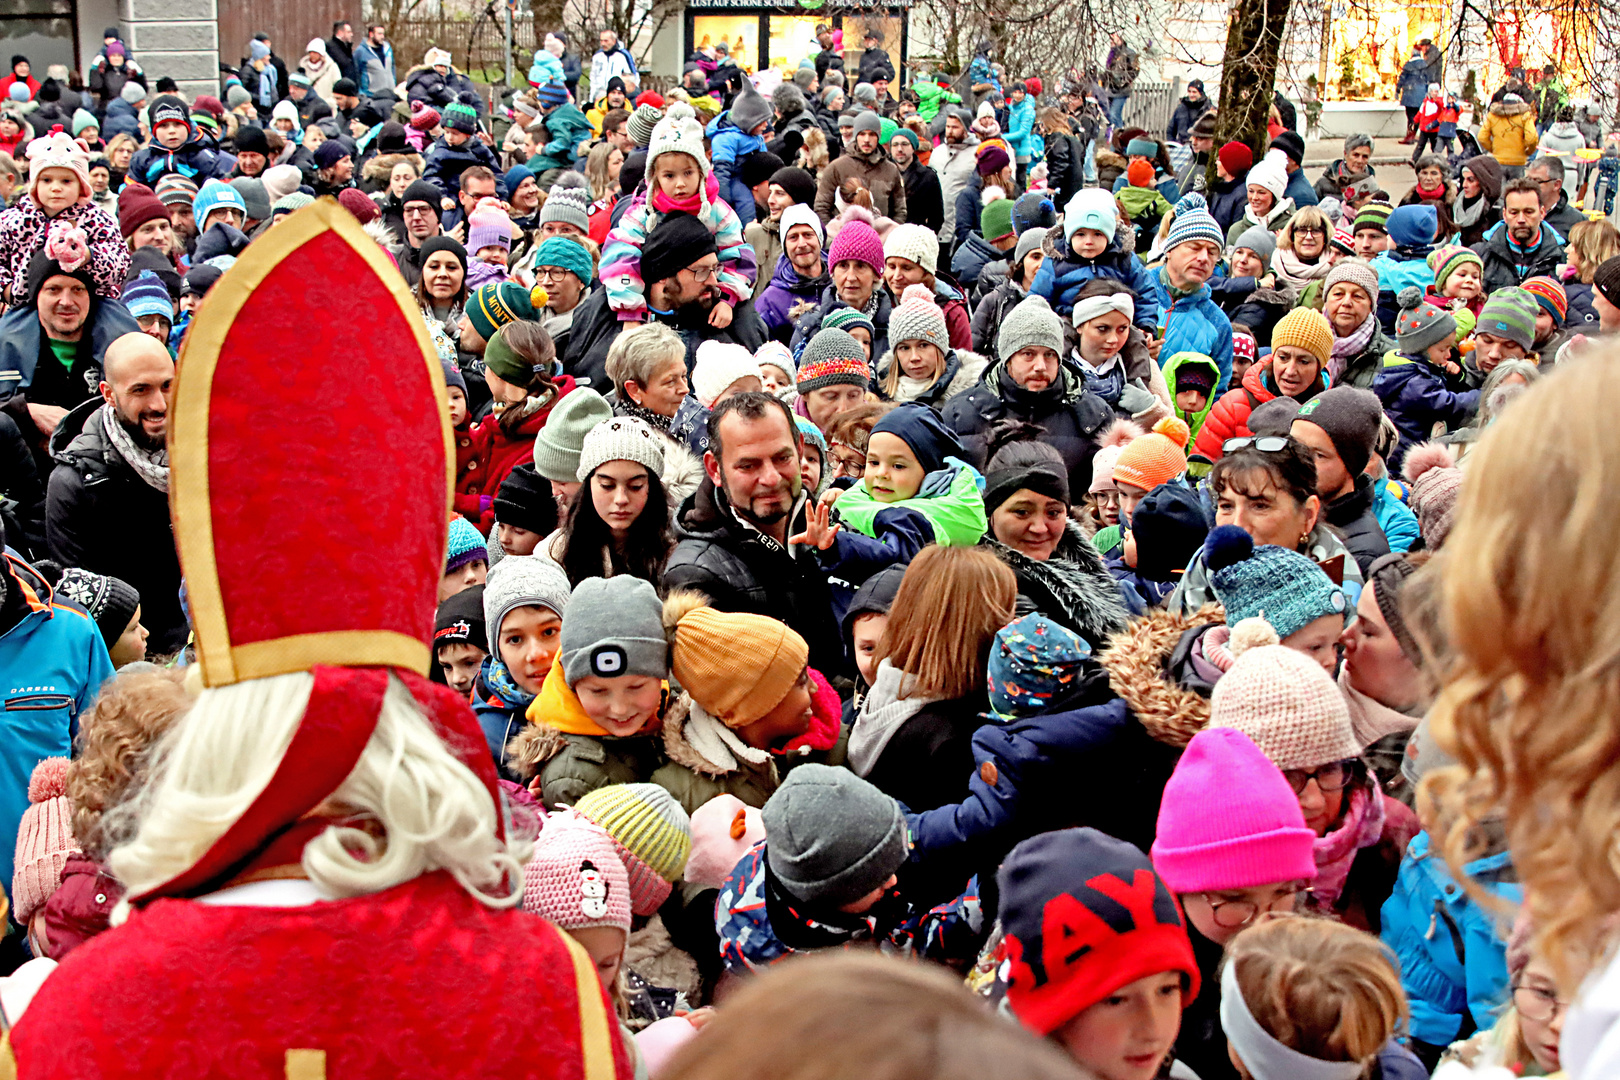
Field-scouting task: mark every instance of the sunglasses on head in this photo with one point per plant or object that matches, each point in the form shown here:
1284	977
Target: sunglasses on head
1266	444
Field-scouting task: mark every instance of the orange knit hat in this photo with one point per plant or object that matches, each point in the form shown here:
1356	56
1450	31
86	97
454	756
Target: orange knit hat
1156	458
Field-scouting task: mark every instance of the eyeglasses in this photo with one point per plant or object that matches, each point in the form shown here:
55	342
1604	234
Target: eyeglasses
420	211
554	273
1266	444
700	274
1232	914
1334	777
1309	230
1535	1003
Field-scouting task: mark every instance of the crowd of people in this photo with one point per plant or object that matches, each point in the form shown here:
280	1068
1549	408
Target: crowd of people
1149	590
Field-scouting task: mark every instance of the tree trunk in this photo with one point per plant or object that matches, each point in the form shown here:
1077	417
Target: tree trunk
1248	74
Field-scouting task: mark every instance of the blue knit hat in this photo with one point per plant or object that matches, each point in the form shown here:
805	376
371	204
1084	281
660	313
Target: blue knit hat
466	545
1194	222
1033	661
147	295
515	176
568	254
552	94
213	195
1283	587
1413	226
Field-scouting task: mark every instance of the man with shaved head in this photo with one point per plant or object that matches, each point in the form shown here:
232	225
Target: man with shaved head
107	506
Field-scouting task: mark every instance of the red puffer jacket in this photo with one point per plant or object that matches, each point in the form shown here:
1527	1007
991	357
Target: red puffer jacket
1229	419
494	453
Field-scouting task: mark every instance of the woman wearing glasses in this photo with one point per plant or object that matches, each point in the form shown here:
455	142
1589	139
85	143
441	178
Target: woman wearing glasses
1302	253
1525	1038
564	266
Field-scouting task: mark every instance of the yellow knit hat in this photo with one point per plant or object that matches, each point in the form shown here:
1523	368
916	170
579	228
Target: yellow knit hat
1304	328
1157	457
737	666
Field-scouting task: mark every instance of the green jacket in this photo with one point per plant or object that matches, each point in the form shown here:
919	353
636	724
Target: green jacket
1137	199
1180	360
572	766
566	128
705	759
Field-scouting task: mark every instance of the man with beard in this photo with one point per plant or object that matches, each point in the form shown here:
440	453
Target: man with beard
420	208
1522	246
107	505
733	530
799	276
178	193
925	203
340	47
679	263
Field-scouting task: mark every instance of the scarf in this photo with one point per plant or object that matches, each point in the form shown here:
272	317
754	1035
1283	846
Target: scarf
1431	194
626	407
719	745
150	465
1350	346
662	203
1363	825
882	713
1372	720
505	688
1466	211
1296	271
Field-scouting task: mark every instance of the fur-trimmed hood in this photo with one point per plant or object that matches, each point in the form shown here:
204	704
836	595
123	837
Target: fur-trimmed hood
1137	662
1510	108
528	751
694	740
963	370
381	167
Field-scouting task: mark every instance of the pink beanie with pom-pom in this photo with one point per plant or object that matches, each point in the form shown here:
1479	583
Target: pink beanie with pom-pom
1436	482
44	839
1118	436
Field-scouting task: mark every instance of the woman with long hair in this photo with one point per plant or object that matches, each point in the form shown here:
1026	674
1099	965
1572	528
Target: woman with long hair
442	290
602	167
619	523
120	148
1065	156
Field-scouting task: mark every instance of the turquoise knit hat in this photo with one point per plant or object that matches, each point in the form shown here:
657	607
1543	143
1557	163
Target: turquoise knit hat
1283	587
568	254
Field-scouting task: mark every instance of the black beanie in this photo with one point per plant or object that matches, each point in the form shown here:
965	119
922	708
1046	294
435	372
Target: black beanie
460	620
679	241
1606	280
42	268
759	167
108	601
524	500
251	140
797	183
391	139
421	191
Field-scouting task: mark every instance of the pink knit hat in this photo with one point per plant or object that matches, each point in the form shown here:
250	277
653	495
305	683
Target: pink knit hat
1253	833
859	241
1436	482
1286	703
576	878
44	839
724	829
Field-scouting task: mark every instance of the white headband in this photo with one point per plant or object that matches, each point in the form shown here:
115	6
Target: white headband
1263	1056
1092	307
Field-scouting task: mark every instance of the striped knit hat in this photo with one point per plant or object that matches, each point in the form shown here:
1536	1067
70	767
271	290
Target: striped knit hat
1373	215
831	358
1194	222
1509	313
1550	294
1444	260
847	319
641	123
1343	239
466	545
460	117
651	833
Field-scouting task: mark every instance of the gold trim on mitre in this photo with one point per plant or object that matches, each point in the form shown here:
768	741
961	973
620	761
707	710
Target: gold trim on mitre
221	662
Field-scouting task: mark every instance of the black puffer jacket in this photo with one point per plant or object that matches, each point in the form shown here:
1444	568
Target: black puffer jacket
1071	417
811	321
1065	166
101	516
1353	516
741	569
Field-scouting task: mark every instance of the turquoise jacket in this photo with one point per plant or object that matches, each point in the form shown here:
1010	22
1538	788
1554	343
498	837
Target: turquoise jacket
1020	131
1399	523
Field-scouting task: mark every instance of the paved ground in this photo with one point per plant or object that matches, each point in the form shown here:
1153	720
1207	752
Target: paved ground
1389	159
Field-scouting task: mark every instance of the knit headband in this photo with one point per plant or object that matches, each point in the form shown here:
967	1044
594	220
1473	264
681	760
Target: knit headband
1389	574
1092	307
1263	1056
1003	484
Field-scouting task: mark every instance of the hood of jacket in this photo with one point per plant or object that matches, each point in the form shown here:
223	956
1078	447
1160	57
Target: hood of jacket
380	168
1138	662
695	740
1189	360
1565	129
81	444
1510	108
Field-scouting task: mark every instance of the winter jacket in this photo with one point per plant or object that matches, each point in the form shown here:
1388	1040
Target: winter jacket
1419	399
444	163
1413	82
765	237
1360	370
376	71
1299	189
1071	417
1173	364
1336	179
621	258
596	324
1065	166
987	316
963	370
1020	130
1397	269
426	84
572	766
22	492
1277	219
969	206
494	454
566	128
728	145
742	569
1164	183
1071	586
1504	266
1063	273
971	258
1246	302
926	759
1193	323
810	322
925	204
1564	217
23	230
1353	516
877	174
107	82
705	758
1452	952
1229	419
99	514
605	65
120	120
956	164
82	907
1509	133
21	345
1186	115
1227	201
1395	518
785	292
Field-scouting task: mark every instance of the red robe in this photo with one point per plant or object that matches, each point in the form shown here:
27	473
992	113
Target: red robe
420	980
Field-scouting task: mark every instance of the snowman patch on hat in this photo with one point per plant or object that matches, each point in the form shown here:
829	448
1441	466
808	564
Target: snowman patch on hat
593	891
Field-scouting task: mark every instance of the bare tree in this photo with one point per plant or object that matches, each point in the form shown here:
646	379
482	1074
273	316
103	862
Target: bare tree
1248	74
637	22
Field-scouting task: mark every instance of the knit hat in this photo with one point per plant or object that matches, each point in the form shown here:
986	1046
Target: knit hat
921	428
1289	707
255	197
1283	587
1258	239
1509	312
651	833
995	220
1091	208
215	195
288	203
174	189
488	226
1420	325
1157	457
251	139
748	109
1270	174
109	602
802	214
1194	222
522	581
1606	279
1033	661
1034	210
1304	328
83	118
798	183
1254	834
1141	147
1358	273
719	364
281	180
1351	418
1274	417
676	243
913	242
1413	225
918	318
136	206
568	254
738	666
1169	526
1030	324
1549	293
991	159
425	118
58	150
758	168
557	447
613	628
524	501
576	879
1084	914
168	107
461	117
1444	260
677	134
833	837
1292	146
1386	577
724	829
362	206
44	839
460	620
832	358
569	206
621	438
641	124
1244	346
550	95
1343	239
1190	376
1236	158
146	294
859	241
1373	215
133	92
1139	174
492	306
848	319
466	545
1436	483
1028	241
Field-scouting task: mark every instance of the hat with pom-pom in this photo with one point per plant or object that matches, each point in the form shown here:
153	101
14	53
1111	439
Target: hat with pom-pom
1139	173
576	878
424	117
1034	210
1436	482
912	242
1114	440
1284	587
44	839
719	365
1420	325
1157	457
996	219
651	833
1288	706
724	829
1194	222
677	133
492	306
918	318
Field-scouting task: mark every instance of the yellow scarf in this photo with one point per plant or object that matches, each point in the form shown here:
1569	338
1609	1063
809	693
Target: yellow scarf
557	706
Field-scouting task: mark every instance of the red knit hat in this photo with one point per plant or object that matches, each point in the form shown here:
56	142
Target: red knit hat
358	203
136	206
1236	158
1033	85
423	116
650	98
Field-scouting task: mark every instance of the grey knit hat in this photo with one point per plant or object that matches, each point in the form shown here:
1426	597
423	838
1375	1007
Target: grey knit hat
787	99
556	448
749	110
1029	241
865	93
1031	323
623	438
868	121
615	626
569	205
288	203
1357	272
521	581
641	123
832	837
1258	239
236	97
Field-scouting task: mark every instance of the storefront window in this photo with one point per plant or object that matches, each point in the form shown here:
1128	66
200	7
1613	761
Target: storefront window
41	30
855	30
792	37
1371	40
741	32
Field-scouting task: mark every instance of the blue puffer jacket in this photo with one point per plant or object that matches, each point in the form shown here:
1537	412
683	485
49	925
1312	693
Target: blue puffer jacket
1415	398
1300	190
1063	274
501	707
1396	270
120	120
1194	323
1400	525
728	145
1453	953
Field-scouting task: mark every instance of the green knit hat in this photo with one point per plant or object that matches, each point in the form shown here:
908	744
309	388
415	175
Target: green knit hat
491	307
557	447
995	220
1511	313
1374	215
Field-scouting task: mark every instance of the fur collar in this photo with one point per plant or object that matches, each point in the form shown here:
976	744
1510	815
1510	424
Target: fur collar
1510	108
381	167
697	741
1077	580
970	369
532	747
1136	661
